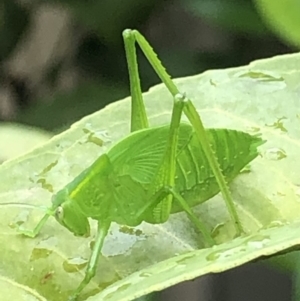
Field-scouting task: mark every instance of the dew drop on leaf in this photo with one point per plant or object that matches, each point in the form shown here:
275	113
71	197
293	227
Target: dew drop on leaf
74	264
184	259
275	154
222	254
124	287
258	241
145	274
276	224
119	289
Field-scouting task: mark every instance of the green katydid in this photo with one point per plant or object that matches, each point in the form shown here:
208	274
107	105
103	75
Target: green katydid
154	171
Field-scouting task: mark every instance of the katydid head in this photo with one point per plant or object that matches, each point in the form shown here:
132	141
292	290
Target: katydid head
69	215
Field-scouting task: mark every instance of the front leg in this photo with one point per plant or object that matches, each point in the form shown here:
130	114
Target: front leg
90	271
37	229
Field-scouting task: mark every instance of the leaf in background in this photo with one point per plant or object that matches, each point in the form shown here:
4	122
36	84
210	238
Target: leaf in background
17	139
261	97
235	15
283	18
65	108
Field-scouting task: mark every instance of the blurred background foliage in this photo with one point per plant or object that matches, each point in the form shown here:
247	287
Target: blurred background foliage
63	59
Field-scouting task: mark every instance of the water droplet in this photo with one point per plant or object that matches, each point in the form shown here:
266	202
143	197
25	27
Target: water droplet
257	241
185	259
275	224
213	256
275	154
119	289
217	230
124	287
225	253
74	264
145	274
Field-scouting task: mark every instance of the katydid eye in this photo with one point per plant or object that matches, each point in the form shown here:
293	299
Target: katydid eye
59	213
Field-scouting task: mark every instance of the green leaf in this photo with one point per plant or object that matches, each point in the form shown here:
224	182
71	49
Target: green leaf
282	17
17	139
261	97
235	15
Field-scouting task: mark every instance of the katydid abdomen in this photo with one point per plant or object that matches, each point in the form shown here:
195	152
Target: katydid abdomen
195	180
131	165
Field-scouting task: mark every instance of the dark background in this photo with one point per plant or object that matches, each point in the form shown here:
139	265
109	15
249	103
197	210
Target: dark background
61	60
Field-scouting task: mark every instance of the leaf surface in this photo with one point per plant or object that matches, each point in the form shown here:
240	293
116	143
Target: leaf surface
261	97
16	139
